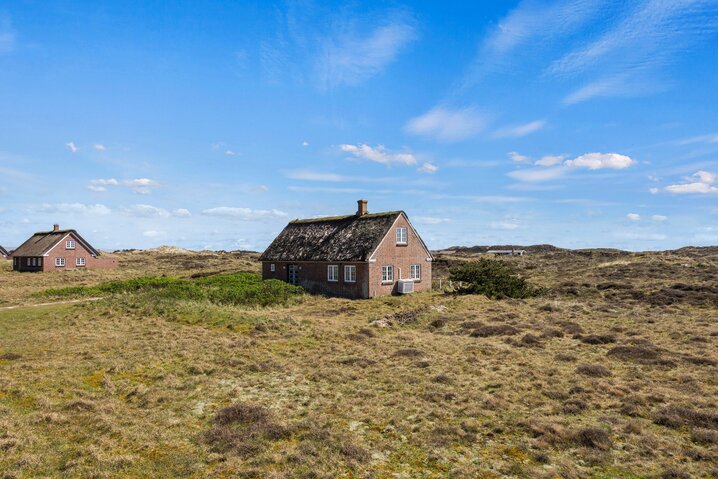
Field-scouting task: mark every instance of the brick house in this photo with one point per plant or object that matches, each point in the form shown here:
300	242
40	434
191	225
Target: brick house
58	250
354	256
3	253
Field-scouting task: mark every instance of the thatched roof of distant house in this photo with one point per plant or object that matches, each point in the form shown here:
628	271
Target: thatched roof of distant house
337	238
43	241
3	251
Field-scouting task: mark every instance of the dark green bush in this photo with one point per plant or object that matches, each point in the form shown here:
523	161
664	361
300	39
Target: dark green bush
491	278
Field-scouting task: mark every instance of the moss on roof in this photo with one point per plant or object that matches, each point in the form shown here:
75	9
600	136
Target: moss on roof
345	238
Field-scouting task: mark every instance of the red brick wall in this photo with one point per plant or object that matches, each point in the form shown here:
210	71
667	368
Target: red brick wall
312	276
401	257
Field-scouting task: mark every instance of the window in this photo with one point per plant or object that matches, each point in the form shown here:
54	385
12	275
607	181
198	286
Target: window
34	262
69	244
415	271
350	273
333	272
39	261
59	261
387	274
272	267
79	261
401	235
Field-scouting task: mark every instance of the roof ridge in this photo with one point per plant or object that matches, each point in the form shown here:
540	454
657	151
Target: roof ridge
54	232
343	217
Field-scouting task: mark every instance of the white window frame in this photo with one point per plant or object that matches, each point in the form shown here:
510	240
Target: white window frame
29	261
350	273
80	261
333	273
59	262
415	272
272	267
70	244
402	235
387	274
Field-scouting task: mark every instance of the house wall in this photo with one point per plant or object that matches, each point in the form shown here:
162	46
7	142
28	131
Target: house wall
312	276
70	255
401	257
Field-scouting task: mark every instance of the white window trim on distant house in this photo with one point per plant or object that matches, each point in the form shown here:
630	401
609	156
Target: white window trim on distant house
350	273
333	273
29	261
79	261
272	267
70	244
387	274
415	272
402	235
59	262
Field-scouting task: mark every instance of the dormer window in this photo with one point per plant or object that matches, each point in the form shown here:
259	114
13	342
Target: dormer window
69	244
401	235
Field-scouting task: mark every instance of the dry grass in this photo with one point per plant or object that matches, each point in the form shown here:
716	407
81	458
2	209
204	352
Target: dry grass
385	388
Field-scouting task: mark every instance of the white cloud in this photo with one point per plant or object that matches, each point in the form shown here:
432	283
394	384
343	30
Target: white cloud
378	154
701	182
153	233
640	236
244	214
448	125
350	58
145	211
72	147
323	189
504	225
518	158
307	175
142	186
78	208
182	213
430	220
653	190
633	216
518	131
259	189
99	147
550	160
305	143
229	152
597	161
538	174
659	218
428	168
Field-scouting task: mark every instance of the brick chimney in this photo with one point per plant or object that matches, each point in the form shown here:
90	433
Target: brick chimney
361	208
55	227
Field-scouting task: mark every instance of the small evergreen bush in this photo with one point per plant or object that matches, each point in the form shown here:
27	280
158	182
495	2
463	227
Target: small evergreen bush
494	279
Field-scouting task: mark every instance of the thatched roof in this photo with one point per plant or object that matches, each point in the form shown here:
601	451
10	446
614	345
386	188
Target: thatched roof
337	238
43	241
3	251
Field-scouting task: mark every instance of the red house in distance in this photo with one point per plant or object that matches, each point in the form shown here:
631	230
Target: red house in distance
58	250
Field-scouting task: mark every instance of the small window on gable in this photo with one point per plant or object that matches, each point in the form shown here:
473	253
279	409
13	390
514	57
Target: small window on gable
59	262
333	272
387	274
401	235
350	273
415	272
79	261
69	244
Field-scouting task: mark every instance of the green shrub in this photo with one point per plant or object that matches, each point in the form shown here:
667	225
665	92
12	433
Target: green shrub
491	278
228	289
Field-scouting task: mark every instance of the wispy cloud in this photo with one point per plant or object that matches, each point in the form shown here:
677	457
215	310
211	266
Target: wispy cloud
518	131
323	189
449	125
153	233
378	154
7	36
428	168
142	186
599	161
145	211
74	208
243	214
430	220
72	147
538	174
99	147
701	182
633	216
517	157
553	167
181	213
349	57
504	225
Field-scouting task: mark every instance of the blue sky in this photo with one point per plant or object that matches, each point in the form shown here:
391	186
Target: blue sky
579	123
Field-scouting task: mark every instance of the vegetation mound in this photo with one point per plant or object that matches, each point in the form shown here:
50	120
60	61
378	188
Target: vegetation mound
492	278
226	289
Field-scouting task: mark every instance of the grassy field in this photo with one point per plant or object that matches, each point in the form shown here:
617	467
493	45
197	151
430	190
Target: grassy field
611	372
